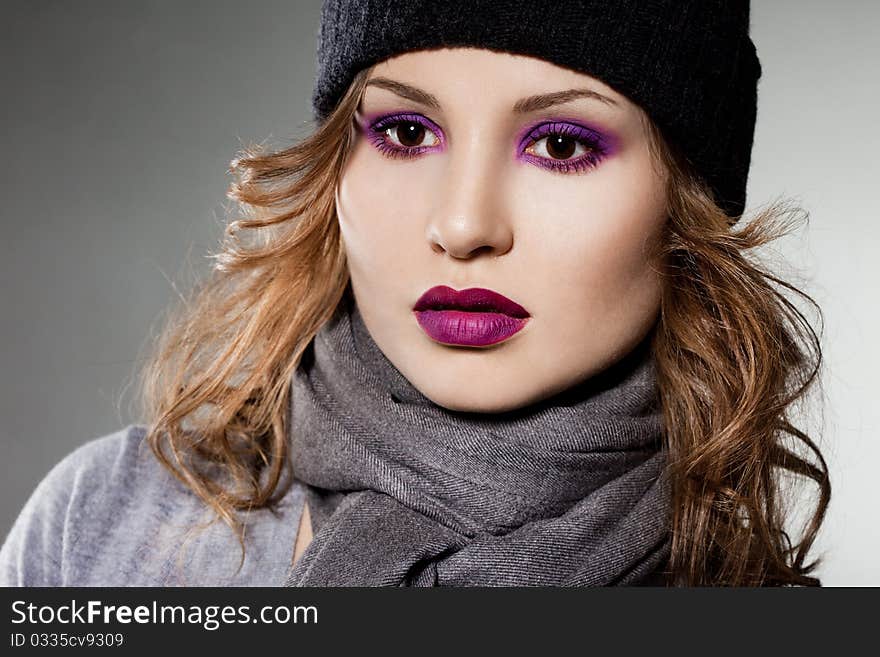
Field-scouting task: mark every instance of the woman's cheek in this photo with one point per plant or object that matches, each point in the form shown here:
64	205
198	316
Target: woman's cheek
363	209
379	226
596	248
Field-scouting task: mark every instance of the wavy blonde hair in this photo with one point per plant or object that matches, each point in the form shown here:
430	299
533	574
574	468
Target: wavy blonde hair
733	356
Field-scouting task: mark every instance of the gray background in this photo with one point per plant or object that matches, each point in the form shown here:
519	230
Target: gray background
119	121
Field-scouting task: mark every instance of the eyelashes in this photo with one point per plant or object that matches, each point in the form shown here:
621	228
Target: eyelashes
554	145
386	135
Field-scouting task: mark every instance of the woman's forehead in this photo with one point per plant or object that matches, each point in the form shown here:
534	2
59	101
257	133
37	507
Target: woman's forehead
466	69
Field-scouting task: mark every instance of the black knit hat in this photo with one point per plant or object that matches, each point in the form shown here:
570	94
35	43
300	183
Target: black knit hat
690	64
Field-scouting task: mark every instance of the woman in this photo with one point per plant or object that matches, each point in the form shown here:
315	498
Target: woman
491	324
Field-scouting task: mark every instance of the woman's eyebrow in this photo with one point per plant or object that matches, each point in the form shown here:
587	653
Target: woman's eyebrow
522	106
406	91
543	101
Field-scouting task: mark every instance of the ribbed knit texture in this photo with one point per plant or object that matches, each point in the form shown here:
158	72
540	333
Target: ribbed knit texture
403	492
689	63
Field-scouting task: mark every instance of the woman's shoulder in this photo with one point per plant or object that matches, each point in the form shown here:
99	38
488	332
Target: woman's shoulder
109	514
109	469
48	524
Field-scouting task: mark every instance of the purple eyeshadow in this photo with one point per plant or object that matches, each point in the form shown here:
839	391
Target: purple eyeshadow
598	144
375	126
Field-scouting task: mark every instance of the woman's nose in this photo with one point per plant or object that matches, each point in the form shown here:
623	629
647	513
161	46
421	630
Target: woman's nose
470	216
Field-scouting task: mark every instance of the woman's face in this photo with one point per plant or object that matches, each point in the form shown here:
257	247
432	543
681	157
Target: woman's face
478	169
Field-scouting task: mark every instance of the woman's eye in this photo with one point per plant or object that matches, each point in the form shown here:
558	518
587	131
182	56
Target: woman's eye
410	134
557	147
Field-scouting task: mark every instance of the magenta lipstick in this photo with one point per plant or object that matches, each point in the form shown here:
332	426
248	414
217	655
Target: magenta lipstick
474	317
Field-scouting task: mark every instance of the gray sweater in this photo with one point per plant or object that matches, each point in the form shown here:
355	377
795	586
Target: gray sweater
108	514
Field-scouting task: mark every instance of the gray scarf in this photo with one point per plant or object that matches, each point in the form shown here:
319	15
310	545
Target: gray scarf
403	492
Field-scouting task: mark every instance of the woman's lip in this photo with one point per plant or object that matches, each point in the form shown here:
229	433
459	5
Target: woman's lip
472	299
474	317
473	329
